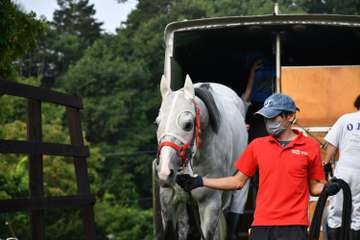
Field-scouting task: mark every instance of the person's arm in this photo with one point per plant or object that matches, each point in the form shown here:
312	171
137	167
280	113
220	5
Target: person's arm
235	182
246	164
316	174
247	94
316	187
226	183
331	187
330	153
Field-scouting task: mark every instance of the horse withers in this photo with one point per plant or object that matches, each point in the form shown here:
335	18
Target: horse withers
201	130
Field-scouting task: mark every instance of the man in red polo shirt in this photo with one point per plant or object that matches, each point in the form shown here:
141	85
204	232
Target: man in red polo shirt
290	169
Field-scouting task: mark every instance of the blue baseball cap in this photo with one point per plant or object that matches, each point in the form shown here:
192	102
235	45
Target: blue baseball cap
276	104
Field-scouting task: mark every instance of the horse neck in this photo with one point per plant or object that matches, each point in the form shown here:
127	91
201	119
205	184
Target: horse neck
204	115
206	135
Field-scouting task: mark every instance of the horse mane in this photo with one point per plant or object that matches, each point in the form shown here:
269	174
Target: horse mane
204	93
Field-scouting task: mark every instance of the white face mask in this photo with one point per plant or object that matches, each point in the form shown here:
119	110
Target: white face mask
275	128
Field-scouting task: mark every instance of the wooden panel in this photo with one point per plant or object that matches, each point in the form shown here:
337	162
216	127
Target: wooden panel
24	204
22	90
36	180
35	148
76	138
82	179
24	147
322	93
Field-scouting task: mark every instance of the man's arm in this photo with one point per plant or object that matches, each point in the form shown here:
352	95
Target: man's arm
226	183
316	187
330	153
331	187
247	94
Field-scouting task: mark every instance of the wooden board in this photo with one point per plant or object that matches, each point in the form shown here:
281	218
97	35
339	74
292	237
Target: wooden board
322	93
26	147
38	93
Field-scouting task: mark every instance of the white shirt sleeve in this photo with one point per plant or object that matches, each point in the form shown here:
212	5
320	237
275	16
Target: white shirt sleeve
334	135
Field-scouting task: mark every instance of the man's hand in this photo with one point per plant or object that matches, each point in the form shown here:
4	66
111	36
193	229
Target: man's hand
188	182
332	188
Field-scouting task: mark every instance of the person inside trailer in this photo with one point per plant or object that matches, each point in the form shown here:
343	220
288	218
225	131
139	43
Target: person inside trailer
260	85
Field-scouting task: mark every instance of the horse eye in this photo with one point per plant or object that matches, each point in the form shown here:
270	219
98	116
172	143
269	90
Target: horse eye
188	126
186	121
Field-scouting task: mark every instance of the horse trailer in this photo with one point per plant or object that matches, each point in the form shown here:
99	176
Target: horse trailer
314	58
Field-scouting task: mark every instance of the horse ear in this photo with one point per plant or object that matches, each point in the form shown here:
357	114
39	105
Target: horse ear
189	88
164	87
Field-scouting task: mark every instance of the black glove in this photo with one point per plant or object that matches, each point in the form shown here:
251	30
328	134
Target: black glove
332	188
188	182
328	170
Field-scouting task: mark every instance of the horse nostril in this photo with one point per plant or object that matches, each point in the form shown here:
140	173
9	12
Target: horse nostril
171	173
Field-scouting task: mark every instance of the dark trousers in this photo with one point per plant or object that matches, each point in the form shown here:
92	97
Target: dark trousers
279	233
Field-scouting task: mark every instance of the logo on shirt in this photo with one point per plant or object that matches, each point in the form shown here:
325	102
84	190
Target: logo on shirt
351	127
298	152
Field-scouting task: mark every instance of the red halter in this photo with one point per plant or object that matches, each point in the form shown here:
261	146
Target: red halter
184	150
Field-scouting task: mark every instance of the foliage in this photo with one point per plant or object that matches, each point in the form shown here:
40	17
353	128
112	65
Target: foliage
76	30
349	7
76	17
42	61
121	223
64	41
19	33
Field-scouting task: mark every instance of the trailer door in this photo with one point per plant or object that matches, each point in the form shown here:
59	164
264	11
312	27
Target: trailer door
322	93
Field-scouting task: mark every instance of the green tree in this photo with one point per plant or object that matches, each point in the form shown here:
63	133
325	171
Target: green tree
119	223
113	93
43	61
76	17
64	41
19	33
350	7
76	29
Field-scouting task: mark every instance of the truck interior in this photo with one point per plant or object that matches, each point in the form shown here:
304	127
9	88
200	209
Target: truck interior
225	55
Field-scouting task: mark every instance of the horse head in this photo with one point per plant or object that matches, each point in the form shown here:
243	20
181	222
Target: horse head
178	129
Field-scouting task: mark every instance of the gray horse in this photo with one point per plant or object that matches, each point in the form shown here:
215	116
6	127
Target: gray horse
201	130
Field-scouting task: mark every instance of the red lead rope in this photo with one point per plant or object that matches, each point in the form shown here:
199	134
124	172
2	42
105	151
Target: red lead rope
183	150
197	125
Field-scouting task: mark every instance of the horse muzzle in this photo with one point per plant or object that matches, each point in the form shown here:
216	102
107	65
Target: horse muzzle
167	167
168	180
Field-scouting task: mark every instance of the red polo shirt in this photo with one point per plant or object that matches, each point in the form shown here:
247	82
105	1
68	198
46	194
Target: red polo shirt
284	175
